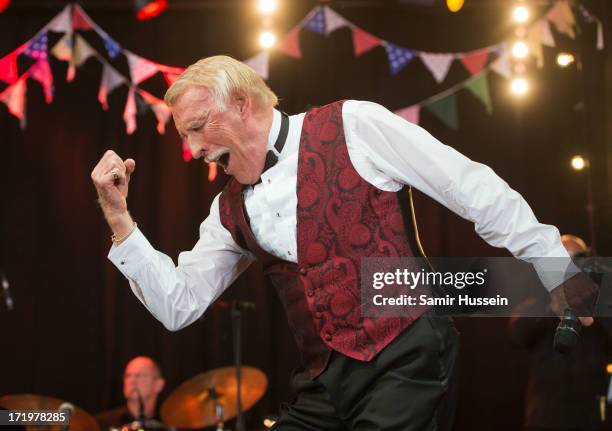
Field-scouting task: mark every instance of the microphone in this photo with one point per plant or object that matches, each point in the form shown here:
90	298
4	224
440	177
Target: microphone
68	409
237	305
8	299
567	332
141	408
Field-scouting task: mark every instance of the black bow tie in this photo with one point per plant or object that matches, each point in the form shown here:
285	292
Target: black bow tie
271	158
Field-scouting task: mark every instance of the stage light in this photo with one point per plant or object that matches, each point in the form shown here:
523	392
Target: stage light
4	4
147	9
454	5
520	49
564	59
609	368
267	39
519	86
578	163
520	14
267	6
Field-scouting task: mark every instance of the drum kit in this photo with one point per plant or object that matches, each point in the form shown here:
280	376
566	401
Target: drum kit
207	399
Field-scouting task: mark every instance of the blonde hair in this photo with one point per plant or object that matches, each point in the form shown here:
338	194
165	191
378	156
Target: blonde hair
223	76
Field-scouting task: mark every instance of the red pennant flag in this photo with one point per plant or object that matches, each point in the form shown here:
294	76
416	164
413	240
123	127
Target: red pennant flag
41	72
129	113
170	77
475	61
8	68
364	41
212	171
159	108
186	151
291	44
80	20
14	98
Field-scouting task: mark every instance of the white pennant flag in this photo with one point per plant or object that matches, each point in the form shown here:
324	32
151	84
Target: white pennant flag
600	35
260	63
62	22
140	67
546	36
562	17
411	113
82	51
333	21
111	79
502	66
438	64
14	98
62	50
129	113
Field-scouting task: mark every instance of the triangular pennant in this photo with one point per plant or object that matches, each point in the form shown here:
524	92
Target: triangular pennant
438	64
502	66
82	51
37	48
80	20
140	68
159	108
291	44
534	41
600	36
398	57
129	113
364	41
562	17
62	22
260	63
111	79
212	171
333	21
479	86
186	151
170	77
475	61
546	36
14	98
112	48
62	50
315	22
411	114
446	110
41	72
8	68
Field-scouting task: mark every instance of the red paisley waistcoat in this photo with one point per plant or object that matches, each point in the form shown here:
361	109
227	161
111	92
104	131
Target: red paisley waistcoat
341	218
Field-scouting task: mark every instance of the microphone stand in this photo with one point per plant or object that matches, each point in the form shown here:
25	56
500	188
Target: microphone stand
236	315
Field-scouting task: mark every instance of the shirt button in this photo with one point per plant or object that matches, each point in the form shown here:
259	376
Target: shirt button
289	252
122	262
310	292
269	181
303	271
277	214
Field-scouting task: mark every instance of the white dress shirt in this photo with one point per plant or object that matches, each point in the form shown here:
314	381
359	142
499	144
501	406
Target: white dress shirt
387	152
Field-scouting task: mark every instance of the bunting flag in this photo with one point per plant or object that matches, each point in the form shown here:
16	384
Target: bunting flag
62	50
534	42
562	17
80	20
212	171
411	114
333	21
113	49
14	99
129	113
41	72
475	61
446	110
364	41
140	68
159	108
187	151
546	36
8	68
592	19
502	66
170	77
438	64
37	49
479	86
81	51
398	57
291	44
61	23
111	79
315	22
260	63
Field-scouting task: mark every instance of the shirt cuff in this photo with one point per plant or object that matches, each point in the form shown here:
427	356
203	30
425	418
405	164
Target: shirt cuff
131	254
555	268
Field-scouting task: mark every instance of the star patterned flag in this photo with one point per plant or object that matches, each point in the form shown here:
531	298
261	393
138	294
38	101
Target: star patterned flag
37	49
398	57
112	48
316	23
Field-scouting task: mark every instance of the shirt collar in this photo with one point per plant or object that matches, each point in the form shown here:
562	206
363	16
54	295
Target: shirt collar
274	131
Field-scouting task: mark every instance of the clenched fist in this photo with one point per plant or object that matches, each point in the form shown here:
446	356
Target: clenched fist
111	177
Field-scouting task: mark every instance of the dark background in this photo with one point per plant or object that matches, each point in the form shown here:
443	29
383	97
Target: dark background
76	322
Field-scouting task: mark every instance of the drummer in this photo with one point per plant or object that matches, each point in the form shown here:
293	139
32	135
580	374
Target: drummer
142	383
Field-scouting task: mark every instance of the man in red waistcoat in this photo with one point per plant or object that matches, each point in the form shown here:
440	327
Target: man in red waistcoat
311	195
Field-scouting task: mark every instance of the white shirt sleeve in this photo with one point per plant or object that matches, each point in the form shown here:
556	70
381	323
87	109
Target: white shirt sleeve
179	295
388	151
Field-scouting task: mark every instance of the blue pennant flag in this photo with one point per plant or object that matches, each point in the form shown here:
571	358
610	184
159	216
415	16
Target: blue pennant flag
112	48
37	49
316	23
398	57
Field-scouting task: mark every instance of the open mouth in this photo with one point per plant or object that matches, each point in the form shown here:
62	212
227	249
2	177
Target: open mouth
223	160
221	157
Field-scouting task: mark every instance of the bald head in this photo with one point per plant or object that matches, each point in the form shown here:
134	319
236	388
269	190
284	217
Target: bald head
574	245
142	377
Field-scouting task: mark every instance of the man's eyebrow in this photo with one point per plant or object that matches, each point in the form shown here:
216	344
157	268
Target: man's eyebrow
198	119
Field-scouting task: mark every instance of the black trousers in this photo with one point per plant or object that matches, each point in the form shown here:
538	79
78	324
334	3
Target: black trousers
409	386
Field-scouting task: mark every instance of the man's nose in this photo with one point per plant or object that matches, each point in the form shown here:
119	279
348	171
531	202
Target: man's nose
196	150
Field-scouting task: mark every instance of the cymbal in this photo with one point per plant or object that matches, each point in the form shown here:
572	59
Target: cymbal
192	404
79	421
